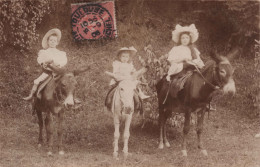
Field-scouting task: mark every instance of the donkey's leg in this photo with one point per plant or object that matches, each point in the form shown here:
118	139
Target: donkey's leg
165	140
186	130
200	122
128	118
40	122
49	132
161	118
60	131
116	135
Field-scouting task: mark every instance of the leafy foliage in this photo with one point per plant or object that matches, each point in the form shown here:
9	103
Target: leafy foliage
19	21
257	74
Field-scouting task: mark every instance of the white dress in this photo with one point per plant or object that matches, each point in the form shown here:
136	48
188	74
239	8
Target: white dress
122	71
178	55
58	57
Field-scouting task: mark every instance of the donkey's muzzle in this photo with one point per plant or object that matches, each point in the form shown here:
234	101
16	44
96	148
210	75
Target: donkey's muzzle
69	101
230	87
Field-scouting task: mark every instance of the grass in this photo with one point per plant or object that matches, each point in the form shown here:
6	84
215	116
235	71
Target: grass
89	135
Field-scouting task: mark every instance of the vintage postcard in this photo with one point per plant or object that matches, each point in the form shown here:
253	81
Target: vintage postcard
129	83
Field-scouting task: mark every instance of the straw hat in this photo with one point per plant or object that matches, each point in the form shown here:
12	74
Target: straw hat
48	34
131	49
192	30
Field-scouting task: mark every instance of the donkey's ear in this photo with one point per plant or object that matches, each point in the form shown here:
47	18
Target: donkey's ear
77	72
217	58
233	53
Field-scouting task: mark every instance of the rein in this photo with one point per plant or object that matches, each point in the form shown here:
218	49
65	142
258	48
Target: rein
212	85
205	80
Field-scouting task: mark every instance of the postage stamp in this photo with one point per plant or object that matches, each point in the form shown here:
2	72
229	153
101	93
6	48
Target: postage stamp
93	20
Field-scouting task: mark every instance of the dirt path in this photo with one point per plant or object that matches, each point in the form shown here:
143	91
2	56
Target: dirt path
228	138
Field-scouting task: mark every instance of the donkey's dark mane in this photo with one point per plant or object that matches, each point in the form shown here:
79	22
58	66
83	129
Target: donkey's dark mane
208	65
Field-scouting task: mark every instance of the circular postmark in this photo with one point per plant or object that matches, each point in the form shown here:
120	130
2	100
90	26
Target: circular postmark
92	21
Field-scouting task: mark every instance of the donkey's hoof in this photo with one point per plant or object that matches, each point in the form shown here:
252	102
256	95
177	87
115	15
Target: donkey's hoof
161	146
115	155
61	152
167	144
257	135
184	153
125	155
49	153
204	152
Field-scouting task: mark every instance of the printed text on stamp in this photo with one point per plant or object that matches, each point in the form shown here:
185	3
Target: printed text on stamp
93	21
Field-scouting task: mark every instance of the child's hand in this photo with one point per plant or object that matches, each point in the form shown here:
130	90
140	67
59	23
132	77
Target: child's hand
48	61
198	63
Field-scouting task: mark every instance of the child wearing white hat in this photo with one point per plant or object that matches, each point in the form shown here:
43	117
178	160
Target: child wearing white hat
48	55
123	67
184	52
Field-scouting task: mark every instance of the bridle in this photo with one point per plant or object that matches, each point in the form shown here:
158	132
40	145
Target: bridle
215	87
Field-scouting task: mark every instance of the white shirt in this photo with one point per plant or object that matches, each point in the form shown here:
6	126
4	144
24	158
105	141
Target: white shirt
180	54
122	70
58	57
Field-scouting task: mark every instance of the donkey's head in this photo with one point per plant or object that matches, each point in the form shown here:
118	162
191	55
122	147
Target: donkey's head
127	89
67	85
224	74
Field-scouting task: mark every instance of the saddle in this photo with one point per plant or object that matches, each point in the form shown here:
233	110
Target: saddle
178	82
138	105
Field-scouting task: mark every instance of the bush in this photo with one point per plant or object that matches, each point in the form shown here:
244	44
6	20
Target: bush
19	20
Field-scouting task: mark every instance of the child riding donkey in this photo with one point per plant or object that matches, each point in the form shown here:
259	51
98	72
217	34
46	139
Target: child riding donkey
49	58
185	56
48	55
123	69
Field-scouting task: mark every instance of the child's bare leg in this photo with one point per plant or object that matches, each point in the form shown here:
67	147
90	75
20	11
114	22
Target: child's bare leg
37	81
34	88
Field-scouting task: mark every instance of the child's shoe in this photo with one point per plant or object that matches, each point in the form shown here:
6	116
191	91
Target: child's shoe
142	95
30	97
77	101
168	78
212	108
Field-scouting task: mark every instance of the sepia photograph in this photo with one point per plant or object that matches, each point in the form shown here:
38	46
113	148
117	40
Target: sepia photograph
129	83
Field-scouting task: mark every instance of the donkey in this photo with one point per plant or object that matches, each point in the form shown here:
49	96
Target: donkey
194	97
55	97
123	108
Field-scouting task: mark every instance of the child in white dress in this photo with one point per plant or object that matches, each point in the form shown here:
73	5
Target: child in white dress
123	67
48	55
185	52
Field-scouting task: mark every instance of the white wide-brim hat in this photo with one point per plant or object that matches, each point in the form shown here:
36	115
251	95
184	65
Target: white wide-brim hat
131	49
192	30
48	34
